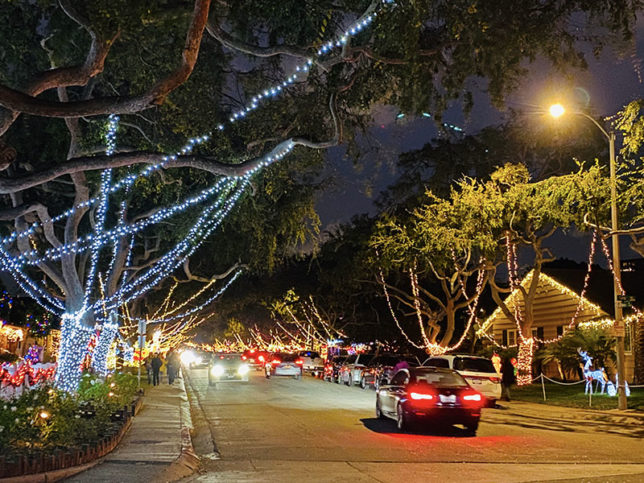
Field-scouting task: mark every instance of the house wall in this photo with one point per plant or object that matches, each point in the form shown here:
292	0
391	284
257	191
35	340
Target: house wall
550	332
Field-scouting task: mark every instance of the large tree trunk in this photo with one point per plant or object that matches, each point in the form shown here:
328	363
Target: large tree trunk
105	339
75	333
524	361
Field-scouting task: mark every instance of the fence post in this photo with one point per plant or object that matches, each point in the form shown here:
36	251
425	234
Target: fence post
543	387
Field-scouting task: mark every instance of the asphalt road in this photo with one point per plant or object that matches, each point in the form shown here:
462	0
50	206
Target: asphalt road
308	430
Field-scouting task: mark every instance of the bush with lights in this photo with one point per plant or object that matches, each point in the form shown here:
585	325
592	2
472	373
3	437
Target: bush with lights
47	418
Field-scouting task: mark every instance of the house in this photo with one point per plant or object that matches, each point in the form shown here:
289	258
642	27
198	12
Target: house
558	301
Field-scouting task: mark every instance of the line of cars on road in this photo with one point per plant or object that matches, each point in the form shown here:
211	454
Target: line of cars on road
446	389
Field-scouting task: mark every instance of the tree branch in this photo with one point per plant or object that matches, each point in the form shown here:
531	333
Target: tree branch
64	76
27	102
204	163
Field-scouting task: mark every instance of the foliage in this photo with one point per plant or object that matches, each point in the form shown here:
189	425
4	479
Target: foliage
598	342
71	420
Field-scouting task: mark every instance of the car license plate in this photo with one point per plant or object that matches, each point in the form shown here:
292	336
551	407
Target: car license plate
447	399
475	381
287	365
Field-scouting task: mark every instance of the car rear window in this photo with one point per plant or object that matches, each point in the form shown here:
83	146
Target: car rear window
474	365
284	357
386	361
364	359
437	363
440	379
312	355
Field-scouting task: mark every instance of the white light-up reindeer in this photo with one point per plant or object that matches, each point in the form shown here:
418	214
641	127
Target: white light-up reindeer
598	375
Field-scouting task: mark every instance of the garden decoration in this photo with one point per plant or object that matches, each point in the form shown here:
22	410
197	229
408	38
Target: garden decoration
598	375
611	389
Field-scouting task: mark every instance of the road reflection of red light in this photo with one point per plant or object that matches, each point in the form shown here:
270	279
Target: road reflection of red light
471	441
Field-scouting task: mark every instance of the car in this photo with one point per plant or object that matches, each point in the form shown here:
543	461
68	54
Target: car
430	394
479	372
352	368
255	358
332	368
381	368
311	362
284	364
227	367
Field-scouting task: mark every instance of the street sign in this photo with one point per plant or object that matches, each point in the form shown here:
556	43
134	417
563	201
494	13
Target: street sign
625	301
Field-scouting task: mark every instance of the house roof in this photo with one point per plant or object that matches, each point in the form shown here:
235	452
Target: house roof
554	304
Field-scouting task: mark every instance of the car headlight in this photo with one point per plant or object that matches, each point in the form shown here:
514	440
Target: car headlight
243	370
217	370
187	357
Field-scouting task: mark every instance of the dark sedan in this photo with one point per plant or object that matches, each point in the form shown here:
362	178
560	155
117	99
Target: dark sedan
430	394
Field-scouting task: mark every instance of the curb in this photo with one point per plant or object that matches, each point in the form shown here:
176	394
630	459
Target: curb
188	462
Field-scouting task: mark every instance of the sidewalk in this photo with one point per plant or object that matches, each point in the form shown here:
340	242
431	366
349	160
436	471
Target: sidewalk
156	446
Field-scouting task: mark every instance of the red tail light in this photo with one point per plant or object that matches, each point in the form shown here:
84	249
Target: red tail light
495	379
261	359
221	357
419	396
276	361
472	399
299	361
244	358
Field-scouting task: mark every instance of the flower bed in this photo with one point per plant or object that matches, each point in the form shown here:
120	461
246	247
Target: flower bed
46	429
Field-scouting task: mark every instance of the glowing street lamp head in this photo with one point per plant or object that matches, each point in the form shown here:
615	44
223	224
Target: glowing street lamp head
557	110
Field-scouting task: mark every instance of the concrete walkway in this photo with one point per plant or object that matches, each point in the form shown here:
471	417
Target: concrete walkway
155	444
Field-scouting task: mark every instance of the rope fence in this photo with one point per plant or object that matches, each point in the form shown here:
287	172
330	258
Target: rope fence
544	378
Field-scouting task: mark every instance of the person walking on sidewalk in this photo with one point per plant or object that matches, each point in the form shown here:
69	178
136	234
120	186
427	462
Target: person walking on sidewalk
173	366
156	364
507	378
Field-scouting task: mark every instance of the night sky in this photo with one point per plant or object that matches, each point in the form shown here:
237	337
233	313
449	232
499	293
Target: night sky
610	82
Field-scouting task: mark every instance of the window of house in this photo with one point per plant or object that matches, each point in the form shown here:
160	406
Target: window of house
512	337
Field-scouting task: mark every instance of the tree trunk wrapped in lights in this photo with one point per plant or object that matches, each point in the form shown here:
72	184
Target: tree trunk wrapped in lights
524	361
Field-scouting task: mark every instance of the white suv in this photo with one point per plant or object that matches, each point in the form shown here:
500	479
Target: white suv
479	372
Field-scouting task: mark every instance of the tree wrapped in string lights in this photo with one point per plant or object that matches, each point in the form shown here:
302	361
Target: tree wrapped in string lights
86	261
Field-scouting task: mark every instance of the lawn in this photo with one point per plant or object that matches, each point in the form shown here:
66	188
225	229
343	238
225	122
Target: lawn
573	396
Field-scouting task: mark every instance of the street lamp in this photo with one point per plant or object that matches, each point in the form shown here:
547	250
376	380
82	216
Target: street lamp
557	110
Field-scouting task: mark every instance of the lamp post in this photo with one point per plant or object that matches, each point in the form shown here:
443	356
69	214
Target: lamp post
557	110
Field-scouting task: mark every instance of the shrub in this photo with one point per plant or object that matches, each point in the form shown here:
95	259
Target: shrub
46	418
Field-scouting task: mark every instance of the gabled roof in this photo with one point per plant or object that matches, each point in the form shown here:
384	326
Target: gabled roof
554	304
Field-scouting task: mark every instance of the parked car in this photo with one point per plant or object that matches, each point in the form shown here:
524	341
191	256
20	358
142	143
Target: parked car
352	368
332	368
381	369
311	362
479	372
227	367
430	394
284	364
255	358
